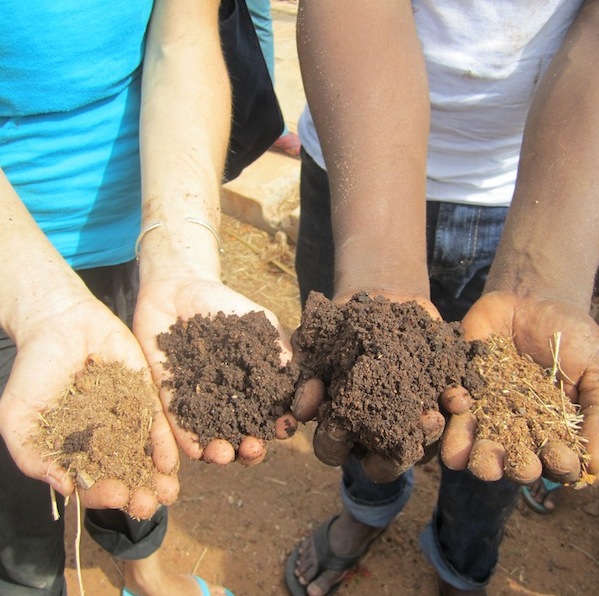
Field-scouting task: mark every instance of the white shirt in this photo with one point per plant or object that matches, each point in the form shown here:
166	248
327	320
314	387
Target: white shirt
484	59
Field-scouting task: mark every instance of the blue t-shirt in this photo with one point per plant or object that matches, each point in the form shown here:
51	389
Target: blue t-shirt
70	91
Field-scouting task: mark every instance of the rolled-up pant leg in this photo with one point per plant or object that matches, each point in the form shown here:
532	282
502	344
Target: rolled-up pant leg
463	538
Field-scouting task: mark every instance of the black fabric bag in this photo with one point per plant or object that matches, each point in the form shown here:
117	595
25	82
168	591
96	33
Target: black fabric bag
257	119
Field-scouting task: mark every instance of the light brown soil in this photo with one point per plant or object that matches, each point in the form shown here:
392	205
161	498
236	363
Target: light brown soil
529	409
100	426
236	525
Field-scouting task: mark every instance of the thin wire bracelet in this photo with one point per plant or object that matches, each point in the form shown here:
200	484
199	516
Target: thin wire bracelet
143	232
210	229
194	220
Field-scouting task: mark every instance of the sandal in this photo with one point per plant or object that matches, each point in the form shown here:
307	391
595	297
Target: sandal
327	560
545	488
202	583
289	143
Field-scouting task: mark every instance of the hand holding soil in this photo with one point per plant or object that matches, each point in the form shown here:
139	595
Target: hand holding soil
531	418
180	297
52	348
382	366
230	386
100	430
520	420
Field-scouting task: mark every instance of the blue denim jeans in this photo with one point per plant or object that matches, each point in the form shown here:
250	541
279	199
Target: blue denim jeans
462	539
32	555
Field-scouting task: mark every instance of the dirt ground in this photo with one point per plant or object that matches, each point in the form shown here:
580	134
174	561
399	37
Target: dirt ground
236	526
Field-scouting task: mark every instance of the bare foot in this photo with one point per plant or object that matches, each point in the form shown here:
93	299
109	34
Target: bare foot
347	536
147	577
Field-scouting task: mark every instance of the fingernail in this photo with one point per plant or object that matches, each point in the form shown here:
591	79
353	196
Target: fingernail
299	392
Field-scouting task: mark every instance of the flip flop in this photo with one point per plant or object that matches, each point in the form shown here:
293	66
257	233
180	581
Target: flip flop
549	486
203	586
327	560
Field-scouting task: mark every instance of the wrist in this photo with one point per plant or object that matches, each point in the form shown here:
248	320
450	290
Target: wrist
44	296
528	275
159	223
387	281
185	246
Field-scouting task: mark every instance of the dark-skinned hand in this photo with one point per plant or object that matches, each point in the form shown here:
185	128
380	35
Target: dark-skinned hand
533	324
333	446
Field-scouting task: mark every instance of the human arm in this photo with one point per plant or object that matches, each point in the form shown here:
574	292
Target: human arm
366	85
56	324
542	277
185	120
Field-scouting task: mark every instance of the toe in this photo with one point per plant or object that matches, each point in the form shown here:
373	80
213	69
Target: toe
324	582
306	566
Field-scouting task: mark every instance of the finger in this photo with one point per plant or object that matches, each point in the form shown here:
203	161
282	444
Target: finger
489	316
187	440
60	483
32	465
251	451
429	452
143	504
105	494
457	441
590	431
525	469
165	454
433	424
309	395
285	426
167	488
455	400
331	444
384	469
486	460
560	463
219	451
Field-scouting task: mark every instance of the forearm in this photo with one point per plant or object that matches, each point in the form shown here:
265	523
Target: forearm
185	124
366	85
34	279
550	247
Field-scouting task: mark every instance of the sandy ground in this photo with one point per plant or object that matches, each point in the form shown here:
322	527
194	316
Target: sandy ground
236	526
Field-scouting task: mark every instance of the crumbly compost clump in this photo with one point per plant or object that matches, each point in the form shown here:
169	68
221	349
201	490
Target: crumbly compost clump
227	377
100	425
383	365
